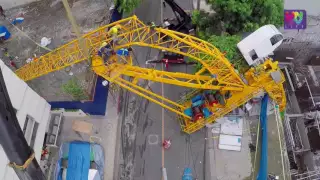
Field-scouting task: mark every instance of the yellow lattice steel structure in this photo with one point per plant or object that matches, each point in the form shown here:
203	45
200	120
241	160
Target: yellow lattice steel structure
216	74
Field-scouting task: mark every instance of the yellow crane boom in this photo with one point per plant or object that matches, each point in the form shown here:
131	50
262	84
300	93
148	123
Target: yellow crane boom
216	74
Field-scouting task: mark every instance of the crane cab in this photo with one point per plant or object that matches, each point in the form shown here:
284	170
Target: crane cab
259	44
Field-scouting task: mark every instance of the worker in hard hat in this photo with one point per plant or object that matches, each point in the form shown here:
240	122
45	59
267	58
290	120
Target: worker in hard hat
124	51
113	32
152	25
105	51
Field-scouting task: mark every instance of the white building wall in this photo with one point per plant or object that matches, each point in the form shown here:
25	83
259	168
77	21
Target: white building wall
26	102
13	3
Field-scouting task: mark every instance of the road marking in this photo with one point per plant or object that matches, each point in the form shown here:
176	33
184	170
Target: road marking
162	119
153	139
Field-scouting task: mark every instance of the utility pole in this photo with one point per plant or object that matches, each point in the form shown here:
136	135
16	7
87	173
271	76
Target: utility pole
198	5
13	141
310	91
161	11
76	28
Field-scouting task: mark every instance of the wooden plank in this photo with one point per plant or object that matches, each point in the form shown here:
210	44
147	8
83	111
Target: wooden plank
82	126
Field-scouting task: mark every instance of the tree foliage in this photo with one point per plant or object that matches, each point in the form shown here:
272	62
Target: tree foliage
228	45
247	15
127	6
73	88
206	23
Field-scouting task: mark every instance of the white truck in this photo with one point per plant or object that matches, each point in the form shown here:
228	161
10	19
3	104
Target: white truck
260	44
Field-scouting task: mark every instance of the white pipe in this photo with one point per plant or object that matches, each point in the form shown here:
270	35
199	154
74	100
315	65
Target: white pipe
287	124
310	92
60	118
309	176
289	79
164	173
277	116
294	115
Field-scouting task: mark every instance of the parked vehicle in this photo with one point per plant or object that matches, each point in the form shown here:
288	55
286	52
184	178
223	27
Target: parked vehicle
80	160
259	44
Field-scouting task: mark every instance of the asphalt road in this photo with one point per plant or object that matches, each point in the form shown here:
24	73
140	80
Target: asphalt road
148	123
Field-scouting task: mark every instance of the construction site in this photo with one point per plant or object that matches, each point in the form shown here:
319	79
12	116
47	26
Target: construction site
90	91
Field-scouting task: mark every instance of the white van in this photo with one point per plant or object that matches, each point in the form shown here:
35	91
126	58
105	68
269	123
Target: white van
259	44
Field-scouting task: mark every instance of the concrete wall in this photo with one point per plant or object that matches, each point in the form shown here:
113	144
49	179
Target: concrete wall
26	102
6	4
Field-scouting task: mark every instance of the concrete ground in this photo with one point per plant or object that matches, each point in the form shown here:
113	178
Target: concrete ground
225	164
104	132
47	18
232	165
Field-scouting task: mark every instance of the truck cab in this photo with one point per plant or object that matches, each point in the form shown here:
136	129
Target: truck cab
260	44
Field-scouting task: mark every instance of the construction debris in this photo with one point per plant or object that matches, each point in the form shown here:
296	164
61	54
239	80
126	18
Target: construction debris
45	41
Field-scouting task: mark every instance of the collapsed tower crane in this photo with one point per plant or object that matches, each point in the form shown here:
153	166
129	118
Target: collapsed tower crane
218	87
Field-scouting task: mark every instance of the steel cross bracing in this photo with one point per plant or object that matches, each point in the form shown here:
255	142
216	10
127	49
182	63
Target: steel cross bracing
217	73
134	32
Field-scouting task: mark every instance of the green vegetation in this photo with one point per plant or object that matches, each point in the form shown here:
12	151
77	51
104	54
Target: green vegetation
73	88
210	31
127	6
223	29
206	24
244	16
228	45
71	110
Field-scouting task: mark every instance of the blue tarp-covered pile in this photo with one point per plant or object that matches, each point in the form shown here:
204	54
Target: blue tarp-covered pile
80	161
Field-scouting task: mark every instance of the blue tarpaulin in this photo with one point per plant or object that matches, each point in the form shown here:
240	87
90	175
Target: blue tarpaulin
4	32
78	161
263	170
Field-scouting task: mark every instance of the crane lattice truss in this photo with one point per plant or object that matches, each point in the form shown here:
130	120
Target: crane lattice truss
216	74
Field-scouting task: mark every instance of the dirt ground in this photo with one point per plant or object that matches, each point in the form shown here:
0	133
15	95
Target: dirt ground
47	18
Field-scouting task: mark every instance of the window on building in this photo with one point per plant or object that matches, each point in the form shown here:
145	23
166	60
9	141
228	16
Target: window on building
30	129
275	39
253	54
34	134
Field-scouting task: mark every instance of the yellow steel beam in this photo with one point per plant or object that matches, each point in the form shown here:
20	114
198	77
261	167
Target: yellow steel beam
174	78
134	32
143	92
259	81
150	98
99	68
